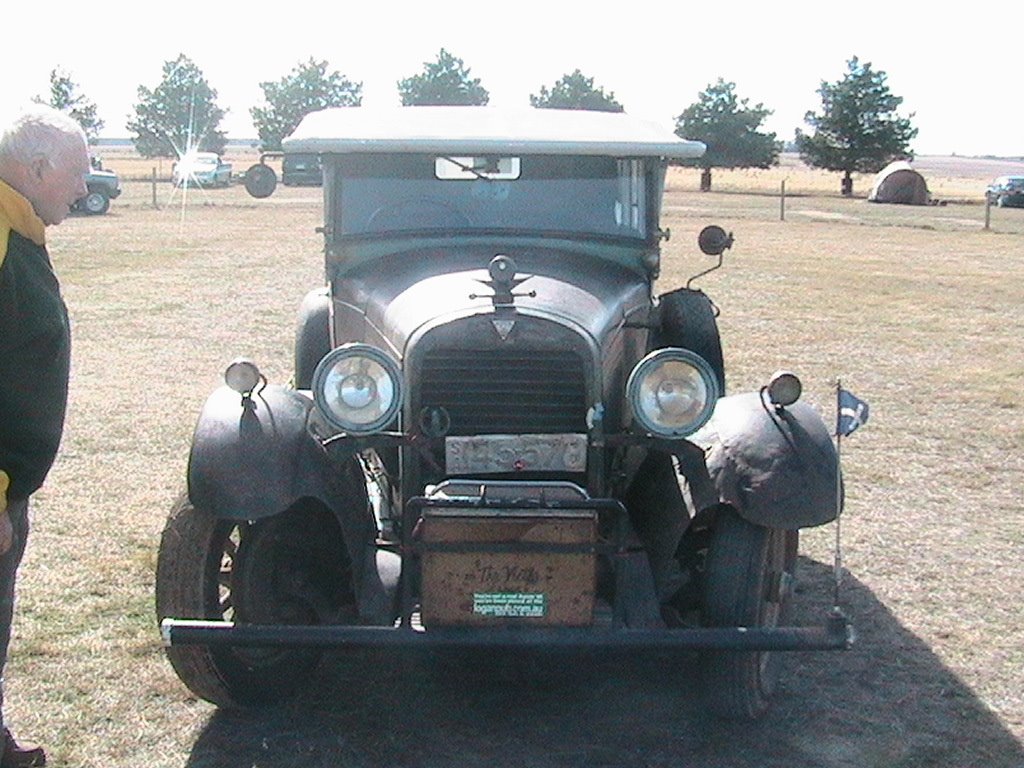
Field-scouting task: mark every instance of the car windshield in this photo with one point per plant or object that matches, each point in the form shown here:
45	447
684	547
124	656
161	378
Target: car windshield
300	162
189	162
577	195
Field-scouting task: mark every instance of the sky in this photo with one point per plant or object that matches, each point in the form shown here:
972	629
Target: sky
957	72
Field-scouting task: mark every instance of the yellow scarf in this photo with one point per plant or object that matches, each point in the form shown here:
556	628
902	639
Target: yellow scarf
16	213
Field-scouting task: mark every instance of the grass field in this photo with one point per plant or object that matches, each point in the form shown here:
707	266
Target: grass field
920	311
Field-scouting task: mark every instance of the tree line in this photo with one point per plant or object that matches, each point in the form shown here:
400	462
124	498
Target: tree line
856	130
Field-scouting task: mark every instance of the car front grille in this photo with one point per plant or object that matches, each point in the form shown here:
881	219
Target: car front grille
506	392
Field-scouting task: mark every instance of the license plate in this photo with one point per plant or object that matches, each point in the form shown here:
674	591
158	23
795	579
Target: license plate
482	454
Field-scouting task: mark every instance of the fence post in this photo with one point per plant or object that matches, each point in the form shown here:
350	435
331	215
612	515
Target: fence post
782	202
154	186
988	211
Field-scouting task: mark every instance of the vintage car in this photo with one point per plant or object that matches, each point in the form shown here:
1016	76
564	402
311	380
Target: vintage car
203	169
497	434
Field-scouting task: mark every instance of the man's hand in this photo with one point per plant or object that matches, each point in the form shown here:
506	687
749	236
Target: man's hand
6	529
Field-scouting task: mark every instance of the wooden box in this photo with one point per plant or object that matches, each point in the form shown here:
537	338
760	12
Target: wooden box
465	585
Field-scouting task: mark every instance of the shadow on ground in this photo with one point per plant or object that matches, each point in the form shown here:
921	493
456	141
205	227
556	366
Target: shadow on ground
889	702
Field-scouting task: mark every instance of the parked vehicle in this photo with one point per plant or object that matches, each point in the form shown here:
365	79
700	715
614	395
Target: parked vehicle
301	169
103	187
491	424
204	169
1006	191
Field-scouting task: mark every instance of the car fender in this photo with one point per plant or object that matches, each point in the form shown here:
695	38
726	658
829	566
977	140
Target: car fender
254	457
312	335
776	466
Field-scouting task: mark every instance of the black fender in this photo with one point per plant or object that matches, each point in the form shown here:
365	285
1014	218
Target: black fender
312	335
252	458
777	467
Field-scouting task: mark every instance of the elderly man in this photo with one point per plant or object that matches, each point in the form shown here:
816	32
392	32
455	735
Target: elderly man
43	162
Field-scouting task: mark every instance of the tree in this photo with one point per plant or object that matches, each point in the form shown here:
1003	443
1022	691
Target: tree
858	128
179	115
729	128
575	91
65	97
445	81
307	88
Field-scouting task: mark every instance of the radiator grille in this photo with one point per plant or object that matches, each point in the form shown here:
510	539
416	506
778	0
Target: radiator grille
498	392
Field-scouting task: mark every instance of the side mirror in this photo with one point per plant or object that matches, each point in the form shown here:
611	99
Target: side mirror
713	240
260	180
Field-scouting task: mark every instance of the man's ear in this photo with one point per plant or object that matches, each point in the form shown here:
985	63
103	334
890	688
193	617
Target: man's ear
39	165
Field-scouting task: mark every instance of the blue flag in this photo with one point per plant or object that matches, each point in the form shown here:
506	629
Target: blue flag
853	413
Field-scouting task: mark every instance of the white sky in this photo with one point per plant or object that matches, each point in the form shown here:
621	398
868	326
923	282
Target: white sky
959	73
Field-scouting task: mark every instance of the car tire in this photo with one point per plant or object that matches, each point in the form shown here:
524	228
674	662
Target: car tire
688	321
658	514
312	335
749	574
96	202
216	569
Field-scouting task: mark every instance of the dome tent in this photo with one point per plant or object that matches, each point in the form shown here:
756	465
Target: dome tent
899	183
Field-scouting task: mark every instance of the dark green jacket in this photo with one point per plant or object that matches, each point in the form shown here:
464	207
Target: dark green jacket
35	349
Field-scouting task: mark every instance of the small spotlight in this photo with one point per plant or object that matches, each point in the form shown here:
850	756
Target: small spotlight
784	389
242	376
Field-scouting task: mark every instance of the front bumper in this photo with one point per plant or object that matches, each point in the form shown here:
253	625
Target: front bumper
610	632
834	635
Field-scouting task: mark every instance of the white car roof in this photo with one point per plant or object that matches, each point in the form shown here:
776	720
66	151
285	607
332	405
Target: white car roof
486	130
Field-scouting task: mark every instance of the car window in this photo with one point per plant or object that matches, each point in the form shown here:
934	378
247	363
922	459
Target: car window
530	193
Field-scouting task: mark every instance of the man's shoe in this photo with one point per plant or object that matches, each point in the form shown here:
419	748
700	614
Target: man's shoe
24	755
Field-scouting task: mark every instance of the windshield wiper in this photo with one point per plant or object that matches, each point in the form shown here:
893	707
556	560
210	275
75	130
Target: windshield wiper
467	168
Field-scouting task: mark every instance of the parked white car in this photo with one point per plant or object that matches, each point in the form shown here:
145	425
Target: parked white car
204	169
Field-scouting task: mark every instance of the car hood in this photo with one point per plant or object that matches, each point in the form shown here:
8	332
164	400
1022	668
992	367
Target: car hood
395	298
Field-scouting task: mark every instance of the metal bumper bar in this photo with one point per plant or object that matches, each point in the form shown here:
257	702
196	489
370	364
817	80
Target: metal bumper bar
836	634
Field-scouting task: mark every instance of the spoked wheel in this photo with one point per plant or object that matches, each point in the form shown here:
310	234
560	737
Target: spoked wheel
288	569
748	582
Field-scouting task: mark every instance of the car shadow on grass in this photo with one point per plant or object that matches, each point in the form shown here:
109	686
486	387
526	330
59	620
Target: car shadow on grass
888	702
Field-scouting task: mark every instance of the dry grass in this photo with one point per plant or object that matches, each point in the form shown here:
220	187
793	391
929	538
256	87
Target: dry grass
920	311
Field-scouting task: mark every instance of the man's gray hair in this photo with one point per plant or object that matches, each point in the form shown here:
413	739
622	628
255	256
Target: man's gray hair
38	131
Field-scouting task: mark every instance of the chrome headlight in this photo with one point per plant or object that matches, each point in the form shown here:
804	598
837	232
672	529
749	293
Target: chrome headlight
672	392
358	388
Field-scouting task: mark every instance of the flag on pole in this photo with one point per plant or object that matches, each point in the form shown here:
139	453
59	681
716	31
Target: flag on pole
852	413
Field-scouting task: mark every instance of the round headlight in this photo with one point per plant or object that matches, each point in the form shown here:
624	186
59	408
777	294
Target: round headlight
672	392
358	388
